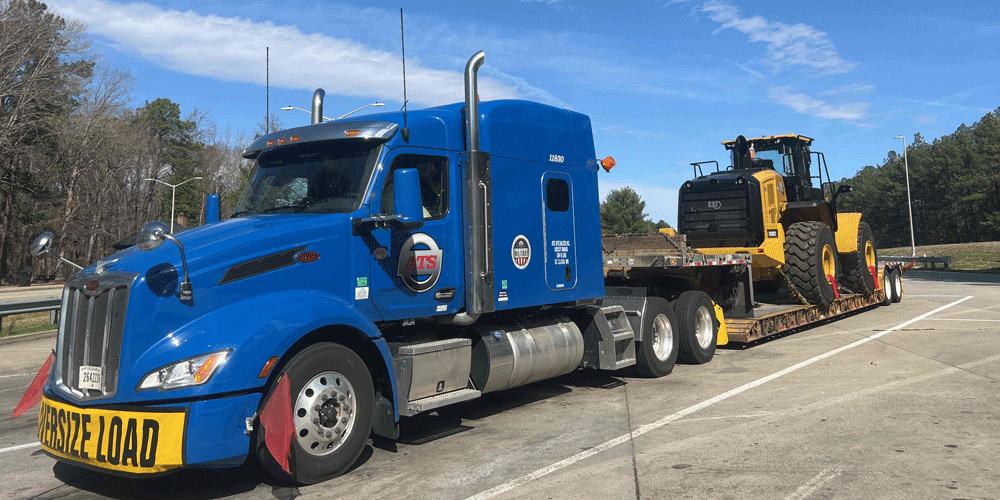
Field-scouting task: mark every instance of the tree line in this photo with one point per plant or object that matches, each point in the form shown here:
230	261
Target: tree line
76	159
954	188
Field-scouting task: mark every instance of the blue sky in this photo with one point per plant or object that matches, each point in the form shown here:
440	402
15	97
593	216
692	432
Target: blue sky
663	81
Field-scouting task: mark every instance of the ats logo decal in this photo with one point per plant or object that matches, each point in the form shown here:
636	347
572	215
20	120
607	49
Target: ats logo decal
520	251
420	262
715	205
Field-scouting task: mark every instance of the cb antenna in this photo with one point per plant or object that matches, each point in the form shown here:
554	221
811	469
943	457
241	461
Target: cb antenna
267	111
402	41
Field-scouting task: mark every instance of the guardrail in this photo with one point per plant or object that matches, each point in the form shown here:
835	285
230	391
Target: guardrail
30	306
933	261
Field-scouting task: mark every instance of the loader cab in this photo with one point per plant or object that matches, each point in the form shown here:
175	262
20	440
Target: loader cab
788	154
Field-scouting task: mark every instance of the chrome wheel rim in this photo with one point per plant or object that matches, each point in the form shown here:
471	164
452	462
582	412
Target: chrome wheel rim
324	413
703	327
663	337
887	285
899	287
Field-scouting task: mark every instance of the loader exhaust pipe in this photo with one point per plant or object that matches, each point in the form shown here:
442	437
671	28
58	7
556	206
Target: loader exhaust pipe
317	108
472	101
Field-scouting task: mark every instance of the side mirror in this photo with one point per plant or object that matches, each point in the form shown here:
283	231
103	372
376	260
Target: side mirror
844	188
41	244
149	237
406	201
212	209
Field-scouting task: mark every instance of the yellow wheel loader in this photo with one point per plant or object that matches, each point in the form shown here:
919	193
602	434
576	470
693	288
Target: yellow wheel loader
765	204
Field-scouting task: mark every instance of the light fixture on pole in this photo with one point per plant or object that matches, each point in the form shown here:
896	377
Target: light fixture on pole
909	204
173	197
375	104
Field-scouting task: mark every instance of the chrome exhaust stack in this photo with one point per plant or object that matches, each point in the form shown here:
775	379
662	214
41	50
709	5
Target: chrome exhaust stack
317	107
479	295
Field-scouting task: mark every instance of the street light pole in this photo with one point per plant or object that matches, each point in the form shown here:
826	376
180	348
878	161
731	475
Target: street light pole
173	197
909	204
376	104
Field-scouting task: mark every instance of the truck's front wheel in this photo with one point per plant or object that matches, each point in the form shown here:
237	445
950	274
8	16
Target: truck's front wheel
332	401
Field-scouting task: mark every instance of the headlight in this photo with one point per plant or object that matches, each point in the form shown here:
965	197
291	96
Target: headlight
191	371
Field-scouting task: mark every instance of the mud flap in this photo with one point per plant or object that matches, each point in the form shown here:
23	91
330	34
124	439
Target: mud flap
34	393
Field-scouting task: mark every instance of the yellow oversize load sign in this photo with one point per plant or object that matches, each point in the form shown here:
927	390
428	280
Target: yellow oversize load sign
133	442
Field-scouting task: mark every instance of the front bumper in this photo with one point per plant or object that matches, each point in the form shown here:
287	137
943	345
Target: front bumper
147	439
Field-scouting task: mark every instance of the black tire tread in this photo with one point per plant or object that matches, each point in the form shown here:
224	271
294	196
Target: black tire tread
685	305
855	275
802	247
646	362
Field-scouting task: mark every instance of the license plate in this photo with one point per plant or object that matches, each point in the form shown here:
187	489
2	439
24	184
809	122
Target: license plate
90	377
135	442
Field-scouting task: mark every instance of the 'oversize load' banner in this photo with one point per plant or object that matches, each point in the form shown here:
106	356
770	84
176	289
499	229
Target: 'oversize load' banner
134	442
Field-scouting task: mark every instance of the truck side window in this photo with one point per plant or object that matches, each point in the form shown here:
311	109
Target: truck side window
557	195
433	172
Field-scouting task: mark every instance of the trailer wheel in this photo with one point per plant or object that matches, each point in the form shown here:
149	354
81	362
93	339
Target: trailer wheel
811	261
332	399
698	325
897	285
657	353
857	267
887	286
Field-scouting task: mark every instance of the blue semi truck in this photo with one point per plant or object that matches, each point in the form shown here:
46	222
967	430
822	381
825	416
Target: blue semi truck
376	267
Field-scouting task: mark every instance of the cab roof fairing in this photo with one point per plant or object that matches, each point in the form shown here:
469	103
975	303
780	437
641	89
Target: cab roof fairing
377	130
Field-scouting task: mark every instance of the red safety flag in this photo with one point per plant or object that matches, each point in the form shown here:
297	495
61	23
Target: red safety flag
276	418
34	393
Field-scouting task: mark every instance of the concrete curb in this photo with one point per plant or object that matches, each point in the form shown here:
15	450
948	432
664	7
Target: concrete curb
28	336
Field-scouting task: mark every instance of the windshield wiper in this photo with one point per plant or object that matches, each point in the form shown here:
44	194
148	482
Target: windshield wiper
275	209
239	213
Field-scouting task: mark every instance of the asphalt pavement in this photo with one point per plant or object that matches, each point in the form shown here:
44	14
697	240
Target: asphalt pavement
893	402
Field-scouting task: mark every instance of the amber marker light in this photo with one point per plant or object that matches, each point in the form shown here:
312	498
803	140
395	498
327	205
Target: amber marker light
208	367
351	133
266	370
295	138
608	163
282	140
270	143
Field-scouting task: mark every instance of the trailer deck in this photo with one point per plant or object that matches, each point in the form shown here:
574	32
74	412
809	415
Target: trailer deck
645	259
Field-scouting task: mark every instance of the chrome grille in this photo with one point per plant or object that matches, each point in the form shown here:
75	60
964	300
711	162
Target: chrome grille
91	330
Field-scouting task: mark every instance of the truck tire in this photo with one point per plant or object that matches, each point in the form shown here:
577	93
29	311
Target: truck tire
856	266
698	325
897	285
331	391
656	355
887	286
810	259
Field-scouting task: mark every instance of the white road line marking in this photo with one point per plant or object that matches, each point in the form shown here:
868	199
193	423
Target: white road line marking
814	484
932	295
20	447
18	375
503	488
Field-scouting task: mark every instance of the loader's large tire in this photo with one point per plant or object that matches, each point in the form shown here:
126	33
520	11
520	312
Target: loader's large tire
856	266
810	261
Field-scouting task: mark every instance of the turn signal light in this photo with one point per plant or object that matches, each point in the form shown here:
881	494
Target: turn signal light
266	370
608	163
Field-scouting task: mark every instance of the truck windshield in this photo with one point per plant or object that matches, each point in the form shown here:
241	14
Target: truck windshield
324	177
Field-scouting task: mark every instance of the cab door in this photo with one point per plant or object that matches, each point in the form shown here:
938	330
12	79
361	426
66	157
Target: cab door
421	272
559	228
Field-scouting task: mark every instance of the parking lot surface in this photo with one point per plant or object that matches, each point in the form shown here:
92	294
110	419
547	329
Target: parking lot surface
894	402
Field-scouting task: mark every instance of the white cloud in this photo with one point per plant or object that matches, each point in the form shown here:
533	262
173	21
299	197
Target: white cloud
802	103
788	45
232	49
851	88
